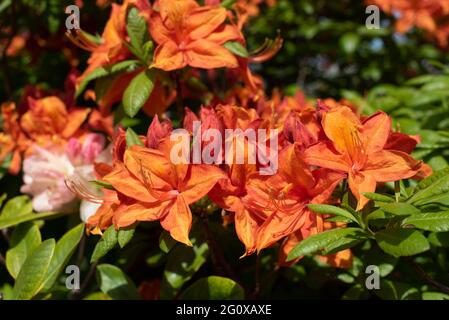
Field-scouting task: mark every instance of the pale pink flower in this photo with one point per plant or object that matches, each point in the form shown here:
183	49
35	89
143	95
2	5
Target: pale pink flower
47	169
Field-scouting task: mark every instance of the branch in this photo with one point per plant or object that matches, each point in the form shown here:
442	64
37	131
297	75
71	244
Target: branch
424	276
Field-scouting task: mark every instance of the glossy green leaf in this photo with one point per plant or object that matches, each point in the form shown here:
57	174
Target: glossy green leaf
64	250
182	263
402	242
237	48
16	207
328	209
432	221
138	92
125	235
31	277
132	138
13	221
123	66
115	283
107	243
25	238
400	209
214	288
166	242
319	241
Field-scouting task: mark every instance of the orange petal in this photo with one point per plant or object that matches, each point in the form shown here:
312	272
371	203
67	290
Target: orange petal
323	155
246	228
173	12
224	33
278	226
168	57
209	55
200	179
391	165
203	21
294	168
376	130
141	161
75	120
342	259
361	182
158	30
124	182
126	215
178	221
342	126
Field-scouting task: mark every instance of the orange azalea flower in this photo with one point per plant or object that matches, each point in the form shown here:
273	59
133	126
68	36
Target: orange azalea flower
112	49
49	117
12	139
358	148
430	15
281	199
150	187
190	35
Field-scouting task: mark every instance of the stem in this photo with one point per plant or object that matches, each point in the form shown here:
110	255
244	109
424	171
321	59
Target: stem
424	276
397	190
81	249
218	259
6	235
2	260
74	295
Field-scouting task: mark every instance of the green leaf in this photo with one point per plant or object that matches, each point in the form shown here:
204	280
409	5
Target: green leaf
123	66
440	239
138	92
137	29
400	209
97	296
12	221
237	48
319	241
431	189
166	242
115	283
106	244
354	293
434	296
102	185
377	197
228	3
132	138
214	288
25	238
432	221
15	207
182	263
64	250
328	209
392	290
402	242
125	236
32	274
385	262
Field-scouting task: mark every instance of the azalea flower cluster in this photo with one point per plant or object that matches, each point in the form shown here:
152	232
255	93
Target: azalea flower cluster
46	136
321	146
429	15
